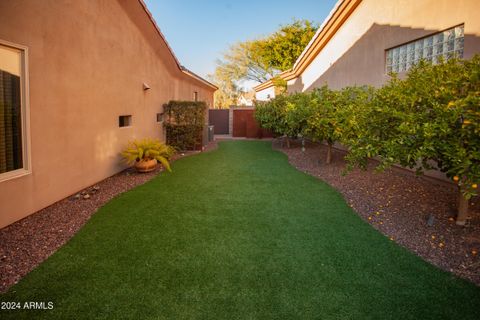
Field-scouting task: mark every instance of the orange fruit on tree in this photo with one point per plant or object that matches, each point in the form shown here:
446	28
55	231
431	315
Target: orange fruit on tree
474	186
455	178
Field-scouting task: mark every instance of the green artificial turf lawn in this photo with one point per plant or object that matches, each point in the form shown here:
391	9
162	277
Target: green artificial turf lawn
238	233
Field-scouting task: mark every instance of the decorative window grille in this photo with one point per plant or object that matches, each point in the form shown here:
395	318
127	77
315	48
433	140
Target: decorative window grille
442	45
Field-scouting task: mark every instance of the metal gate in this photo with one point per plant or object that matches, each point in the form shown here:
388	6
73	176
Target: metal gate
219	118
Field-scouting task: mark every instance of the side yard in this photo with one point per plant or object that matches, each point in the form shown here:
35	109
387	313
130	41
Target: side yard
232	234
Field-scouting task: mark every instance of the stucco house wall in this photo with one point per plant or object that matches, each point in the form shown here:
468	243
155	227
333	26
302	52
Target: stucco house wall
87	64
355	55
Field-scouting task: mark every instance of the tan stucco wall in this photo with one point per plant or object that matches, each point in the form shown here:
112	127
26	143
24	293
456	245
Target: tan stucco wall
88	61
356	53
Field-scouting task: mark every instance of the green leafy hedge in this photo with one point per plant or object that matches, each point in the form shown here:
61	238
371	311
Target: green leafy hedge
184	124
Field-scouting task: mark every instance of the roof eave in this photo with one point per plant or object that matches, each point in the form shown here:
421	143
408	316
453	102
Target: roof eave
197	77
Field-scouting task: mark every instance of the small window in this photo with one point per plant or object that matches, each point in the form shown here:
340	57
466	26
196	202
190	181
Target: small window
160	117
14	159
195	96
125	121
441	45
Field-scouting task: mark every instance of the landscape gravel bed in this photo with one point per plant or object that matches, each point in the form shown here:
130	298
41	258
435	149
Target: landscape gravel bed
417	213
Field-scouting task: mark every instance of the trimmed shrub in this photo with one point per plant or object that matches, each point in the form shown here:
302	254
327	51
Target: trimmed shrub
184	124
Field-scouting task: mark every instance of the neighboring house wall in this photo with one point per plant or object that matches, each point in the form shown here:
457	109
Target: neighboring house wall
87	63
355	55
266	94
242	101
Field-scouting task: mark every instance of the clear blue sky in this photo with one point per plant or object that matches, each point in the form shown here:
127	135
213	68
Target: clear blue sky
199	31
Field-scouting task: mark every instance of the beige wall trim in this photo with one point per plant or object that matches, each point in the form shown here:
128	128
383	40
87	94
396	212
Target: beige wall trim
334	21
25	105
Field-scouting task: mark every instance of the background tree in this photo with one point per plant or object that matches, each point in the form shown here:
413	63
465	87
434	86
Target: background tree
262	59
228	91
281	49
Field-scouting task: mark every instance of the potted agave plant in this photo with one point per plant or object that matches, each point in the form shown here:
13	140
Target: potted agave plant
146	153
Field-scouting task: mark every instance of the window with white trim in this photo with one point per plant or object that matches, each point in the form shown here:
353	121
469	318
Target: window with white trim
13	112
442	45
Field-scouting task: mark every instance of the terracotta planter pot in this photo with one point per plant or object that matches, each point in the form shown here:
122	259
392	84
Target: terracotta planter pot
146	165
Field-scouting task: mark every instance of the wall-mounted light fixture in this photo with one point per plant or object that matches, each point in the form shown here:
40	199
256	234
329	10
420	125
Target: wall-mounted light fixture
146	87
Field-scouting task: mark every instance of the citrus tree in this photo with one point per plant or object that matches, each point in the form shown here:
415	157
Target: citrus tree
322	123
429	120
352	103
453	133
298	111
380	129
284	115
271	115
